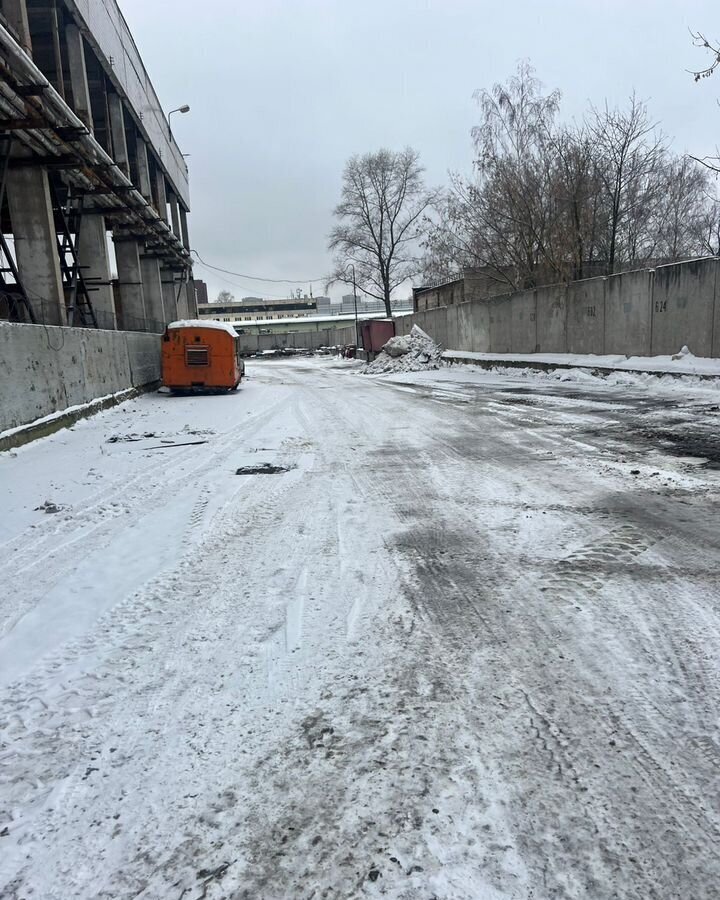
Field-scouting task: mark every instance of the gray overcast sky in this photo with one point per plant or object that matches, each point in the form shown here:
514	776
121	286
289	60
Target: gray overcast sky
282	93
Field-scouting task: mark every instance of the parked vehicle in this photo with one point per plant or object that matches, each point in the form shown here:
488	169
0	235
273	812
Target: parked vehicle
201	356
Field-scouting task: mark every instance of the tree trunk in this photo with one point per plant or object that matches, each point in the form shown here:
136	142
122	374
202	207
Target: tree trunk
386	298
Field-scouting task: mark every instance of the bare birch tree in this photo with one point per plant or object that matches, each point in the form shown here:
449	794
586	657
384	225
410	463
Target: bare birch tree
554	202
381	219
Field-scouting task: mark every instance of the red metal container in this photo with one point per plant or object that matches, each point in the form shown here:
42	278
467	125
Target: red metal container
376	333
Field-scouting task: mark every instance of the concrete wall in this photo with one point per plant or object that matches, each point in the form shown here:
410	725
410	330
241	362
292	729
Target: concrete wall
551	305
465	326
45	369
628	301
500	325
480	314
586	316
642	313
524	325
683	302
299	340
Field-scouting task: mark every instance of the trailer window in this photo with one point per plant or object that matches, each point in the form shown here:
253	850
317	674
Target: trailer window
197	356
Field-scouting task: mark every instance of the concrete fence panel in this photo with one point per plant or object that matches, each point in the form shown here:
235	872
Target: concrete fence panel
465	327
524	325
683	306
248	343
452	338
434	323
480	317
501	325
628	299
586	316
551	304
404	324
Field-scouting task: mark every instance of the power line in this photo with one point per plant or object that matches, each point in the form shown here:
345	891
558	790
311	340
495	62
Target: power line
256	277
244	287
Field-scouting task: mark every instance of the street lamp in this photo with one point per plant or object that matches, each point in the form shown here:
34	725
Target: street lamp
181	109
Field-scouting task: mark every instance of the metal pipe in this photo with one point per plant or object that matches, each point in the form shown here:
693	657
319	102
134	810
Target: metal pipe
55	109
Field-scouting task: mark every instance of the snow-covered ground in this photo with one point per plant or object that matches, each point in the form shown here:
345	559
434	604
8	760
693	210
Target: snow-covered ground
465	644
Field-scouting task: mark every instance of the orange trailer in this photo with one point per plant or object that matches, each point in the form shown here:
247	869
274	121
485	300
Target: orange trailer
198	355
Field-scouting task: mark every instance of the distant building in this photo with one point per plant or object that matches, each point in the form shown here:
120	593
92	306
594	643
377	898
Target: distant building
348	303
323	305
251	308
472	284
201	291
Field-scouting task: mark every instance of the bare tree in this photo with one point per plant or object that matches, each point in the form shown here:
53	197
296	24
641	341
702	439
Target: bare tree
713	48
502	219
631	151
681	216
381	219
552	202
225	296
700	40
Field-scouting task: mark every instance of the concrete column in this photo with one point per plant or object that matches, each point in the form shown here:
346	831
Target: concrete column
174	307
175	215
94	260
36	250
184	227
160	193
78	74
117	130
192	312
143	169
153	292
130	283
15	11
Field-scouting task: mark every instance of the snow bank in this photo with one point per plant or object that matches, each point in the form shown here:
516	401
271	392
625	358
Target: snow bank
682	363
203	323
407	353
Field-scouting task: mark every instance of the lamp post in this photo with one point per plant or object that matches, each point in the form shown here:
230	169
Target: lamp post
181	109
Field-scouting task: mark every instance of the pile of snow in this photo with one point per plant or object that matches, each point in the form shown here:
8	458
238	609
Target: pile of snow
407	353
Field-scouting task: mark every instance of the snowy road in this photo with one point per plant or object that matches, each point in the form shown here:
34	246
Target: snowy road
466	646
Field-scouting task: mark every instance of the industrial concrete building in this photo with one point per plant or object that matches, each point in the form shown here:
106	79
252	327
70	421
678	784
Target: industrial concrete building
473	284
86	152
252	308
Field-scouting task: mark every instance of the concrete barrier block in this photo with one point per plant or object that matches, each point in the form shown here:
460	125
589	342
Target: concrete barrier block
628	299
523	336
551	305
500	324
683	307
586	316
